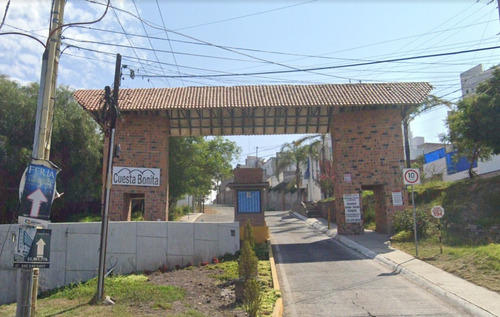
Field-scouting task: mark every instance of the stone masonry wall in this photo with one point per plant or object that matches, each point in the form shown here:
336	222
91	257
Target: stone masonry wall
368	145
144	141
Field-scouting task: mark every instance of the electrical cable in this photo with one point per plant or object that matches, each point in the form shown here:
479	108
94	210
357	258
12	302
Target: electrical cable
347	65
77	23
149	40
244	16
23	34
130	42
5	13
168	39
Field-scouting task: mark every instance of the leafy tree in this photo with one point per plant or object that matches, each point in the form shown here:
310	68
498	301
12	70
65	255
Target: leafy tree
465	130
409	113
198	165
76	148
181	153
473	127
294	154
17	123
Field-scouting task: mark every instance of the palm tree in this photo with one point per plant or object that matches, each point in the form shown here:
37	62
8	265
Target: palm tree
294	154
411	112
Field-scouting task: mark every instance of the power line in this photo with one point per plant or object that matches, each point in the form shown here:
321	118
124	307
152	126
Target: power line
149	40
344	66
244	16
169	42
5	13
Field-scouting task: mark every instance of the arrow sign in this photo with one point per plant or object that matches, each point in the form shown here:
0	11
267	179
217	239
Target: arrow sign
40	246
37	198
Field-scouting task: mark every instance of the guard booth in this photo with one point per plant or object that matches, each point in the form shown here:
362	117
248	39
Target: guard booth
249	196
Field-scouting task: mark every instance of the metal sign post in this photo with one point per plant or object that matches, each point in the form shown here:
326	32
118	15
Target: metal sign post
438	212
411	176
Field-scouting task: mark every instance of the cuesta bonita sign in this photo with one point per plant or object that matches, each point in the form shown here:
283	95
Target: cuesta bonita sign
136	176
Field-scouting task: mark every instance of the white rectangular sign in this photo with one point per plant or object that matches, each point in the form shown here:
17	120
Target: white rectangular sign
397	199
135	176
352	208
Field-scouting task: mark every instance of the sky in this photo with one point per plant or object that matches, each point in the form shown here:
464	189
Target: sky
183	43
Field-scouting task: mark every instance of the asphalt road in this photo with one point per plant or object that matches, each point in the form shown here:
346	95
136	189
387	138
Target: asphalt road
321	277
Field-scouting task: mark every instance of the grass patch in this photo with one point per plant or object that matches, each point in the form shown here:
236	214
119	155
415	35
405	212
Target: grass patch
83	217
477	264
130	292
471	245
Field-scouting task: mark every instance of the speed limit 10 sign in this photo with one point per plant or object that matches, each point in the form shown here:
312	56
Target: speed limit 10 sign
411	176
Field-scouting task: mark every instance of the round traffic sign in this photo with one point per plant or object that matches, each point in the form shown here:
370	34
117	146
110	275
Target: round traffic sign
411	176
437	212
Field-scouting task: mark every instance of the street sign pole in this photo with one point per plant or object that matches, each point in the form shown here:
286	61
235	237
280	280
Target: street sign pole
414	220
411	176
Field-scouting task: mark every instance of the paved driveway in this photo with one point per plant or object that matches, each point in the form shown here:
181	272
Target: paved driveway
321	277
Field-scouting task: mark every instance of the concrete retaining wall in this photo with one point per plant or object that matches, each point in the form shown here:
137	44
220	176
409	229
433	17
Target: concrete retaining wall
132	246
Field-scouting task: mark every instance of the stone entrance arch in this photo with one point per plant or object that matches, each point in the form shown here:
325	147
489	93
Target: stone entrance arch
364	121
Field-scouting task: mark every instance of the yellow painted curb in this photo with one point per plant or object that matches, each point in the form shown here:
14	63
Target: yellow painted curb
278	306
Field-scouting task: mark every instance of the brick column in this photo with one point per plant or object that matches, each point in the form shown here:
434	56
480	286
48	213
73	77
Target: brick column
144	141
367	146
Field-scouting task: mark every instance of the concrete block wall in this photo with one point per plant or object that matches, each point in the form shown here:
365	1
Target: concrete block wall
368	145
144	141
132	247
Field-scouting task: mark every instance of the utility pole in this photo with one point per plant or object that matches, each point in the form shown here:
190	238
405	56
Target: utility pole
112	109
26	290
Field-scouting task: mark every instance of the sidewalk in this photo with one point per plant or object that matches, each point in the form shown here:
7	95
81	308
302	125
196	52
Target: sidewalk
190	217
474	299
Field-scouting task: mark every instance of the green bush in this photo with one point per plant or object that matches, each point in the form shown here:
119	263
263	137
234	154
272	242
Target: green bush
177	212
248	262
403	221
252	297
248	235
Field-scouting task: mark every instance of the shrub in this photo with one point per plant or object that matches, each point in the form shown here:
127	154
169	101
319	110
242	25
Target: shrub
248	262
248	235
252	297
403	221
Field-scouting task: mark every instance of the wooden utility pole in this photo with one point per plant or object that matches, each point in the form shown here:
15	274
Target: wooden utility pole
26	291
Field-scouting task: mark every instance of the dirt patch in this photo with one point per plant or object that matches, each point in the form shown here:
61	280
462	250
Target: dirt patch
204	293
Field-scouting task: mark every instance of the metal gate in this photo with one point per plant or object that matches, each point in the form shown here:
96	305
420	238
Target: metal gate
249	201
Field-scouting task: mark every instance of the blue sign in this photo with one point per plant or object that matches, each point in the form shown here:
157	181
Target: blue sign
37	190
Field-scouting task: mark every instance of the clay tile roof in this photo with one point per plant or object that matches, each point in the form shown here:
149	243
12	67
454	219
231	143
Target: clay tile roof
261	96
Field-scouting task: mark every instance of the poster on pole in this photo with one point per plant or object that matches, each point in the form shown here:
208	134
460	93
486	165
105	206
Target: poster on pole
32	249
352	208
37	189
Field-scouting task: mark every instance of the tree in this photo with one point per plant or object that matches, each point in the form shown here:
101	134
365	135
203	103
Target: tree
411	112
327	175
466	126
198	165
76	148
294	154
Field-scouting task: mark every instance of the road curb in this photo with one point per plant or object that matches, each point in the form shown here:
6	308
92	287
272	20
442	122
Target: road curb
278	306
433	288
